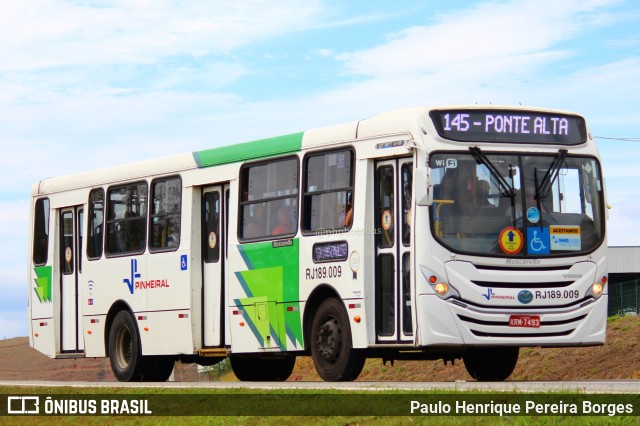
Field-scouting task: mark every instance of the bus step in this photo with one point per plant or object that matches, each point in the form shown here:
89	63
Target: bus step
214	352
70	355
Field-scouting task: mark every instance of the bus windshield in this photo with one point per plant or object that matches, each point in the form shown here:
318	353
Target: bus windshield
523	205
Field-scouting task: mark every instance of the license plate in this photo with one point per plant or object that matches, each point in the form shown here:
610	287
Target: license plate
530	321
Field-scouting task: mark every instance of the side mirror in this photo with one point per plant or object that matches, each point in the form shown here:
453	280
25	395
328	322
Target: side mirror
424	189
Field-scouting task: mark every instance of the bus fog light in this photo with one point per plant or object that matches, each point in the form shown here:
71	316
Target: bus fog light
441	289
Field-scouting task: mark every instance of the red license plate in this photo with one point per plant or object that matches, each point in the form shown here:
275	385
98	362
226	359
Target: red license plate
530	321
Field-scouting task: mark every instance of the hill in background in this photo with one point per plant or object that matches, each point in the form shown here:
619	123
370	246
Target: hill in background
618	359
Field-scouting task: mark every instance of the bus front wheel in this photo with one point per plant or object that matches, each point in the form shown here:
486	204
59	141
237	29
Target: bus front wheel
491	364
331	344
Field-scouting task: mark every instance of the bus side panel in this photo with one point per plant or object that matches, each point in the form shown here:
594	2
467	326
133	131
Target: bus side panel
42	329
437	323
167	327
94	342
595	331
106	281
264	298
42	325
346	277
165	333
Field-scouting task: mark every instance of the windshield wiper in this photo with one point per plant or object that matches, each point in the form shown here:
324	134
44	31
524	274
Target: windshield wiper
542	191
506	190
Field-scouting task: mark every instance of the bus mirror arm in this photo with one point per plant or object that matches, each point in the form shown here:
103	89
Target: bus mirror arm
424	189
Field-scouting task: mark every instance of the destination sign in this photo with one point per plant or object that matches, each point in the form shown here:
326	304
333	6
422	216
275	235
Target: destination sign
509	126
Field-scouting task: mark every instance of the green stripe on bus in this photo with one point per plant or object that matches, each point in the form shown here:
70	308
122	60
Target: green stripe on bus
249	150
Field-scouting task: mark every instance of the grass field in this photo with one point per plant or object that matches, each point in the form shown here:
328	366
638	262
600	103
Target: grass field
253	407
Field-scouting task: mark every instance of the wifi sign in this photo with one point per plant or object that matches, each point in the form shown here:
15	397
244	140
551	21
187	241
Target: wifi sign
90	287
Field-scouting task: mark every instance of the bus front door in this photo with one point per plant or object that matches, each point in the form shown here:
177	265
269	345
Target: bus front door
392	210
215	215
70	263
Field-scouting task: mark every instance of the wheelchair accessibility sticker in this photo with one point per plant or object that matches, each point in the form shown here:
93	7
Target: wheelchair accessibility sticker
538	241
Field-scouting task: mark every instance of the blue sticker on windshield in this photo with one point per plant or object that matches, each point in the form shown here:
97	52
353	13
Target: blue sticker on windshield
533	215
538	241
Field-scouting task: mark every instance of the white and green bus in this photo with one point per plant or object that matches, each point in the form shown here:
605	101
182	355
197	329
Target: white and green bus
429	233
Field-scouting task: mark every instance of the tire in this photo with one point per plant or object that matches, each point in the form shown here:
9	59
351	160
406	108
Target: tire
253	369
331	345
157	368
279	369
491	364
125	352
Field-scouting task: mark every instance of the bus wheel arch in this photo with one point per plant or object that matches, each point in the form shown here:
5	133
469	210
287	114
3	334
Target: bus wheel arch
117	306
331	343
315	299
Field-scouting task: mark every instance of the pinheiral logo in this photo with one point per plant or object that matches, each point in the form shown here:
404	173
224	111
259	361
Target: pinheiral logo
525	297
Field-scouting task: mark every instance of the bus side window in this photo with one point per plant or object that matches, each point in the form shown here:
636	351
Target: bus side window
166	195
127	219
269	199
96	224
41	232
328	191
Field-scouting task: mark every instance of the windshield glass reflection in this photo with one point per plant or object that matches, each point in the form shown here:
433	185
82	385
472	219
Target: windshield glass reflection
557	207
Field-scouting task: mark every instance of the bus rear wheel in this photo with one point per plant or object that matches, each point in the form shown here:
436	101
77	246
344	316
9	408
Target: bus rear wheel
331	344
125	352
491	364
253	369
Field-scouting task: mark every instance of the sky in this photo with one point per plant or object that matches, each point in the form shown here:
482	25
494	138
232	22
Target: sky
86	84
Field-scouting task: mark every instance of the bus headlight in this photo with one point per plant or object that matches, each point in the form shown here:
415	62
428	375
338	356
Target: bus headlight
440	286
441	289
597	289
444	290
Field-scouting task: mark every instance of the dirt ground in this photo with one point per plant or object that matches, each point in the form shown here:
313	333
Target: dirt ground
619	358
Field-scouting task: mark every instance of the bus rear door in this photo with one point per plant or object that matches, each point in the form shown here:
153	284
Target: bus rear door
215	224
70	258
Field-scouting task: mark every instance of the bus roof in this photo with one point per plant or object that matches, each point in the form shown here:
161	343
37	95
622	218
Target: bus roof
391	122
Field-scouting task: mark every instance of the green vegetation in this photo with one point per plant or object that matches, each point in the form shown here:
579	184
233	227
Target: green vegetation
261	405
218	371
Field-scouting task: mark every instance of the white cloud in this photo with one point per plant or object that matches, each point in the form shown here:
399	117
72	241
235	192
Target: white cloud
67	33
477	38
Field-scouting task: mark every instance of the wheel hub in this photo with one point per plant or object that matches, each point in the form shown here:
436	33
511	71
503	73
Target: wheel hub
330	340
123	348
